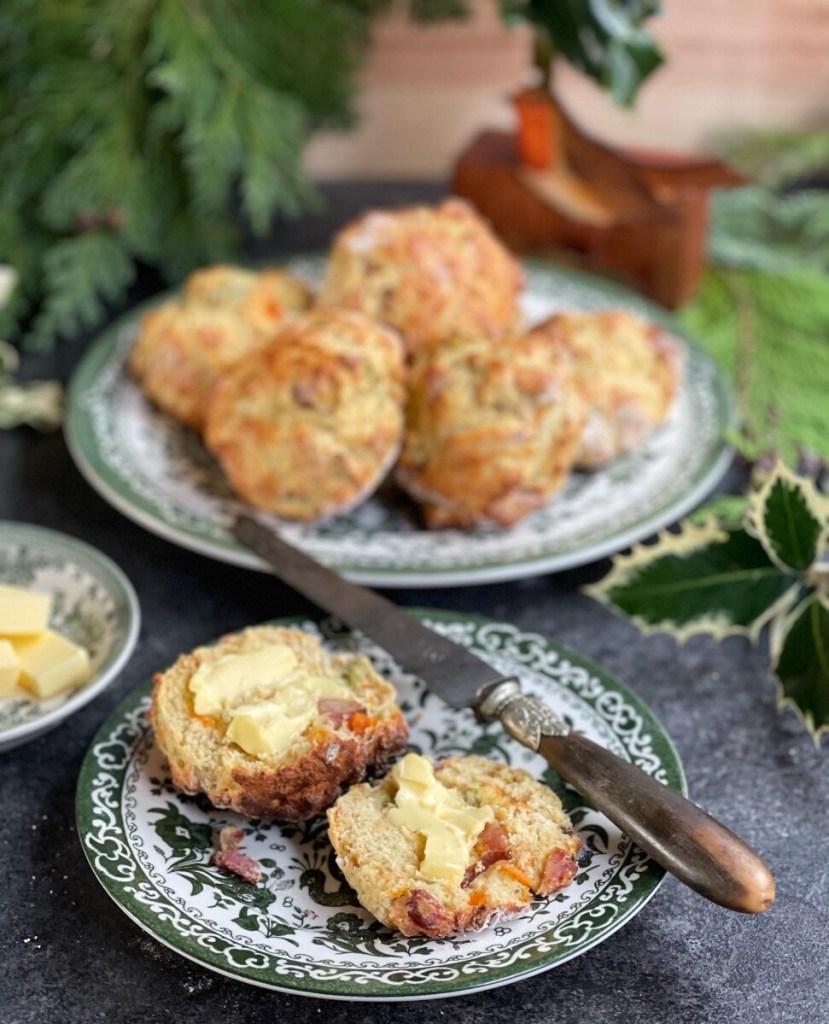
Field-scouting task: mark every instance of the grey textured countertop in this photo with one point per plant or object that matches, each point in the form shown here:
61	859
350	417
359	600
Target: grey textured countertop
68	954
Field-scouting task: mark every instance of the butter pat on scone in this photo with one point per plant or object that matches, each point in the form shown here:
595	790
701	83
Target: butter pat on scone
266	722
440	850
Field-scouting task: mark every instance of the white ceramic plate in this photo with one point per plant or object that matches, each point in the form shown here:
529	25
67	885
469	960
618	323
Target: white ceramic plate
94	605
301	929
158	473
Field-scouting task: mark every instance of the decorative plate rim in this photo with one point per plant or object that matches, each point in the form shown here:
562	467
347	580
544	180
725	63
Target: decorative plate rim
494	567
129	710
119	584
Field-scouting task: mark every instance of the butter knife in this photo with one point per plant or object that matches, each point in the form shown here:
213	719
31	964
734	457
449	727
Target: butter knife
675	832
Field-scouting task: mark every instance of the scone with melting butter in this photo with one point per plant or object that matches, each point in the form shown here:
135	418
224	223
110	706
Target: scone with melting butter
185	344
310	425
266	722
627	371
440	850
431	272
492	428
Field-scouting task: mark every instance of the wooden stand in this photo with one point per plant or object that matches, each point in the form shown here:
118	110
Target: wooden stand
640	216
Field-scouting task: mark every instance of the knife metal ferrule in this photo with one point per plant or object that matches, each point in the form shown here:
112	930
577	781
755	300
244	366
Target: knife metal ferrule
523	716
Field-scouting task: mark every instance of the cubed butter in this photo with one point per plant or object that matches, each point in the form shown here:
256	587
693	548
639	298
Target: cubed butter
9	668
49	663
23	611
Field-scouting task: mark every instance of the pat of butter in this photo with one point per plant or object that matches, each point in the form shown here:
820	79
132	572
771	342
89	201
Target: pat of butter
449	825
9	668
23	611
236	678
49	663
265	728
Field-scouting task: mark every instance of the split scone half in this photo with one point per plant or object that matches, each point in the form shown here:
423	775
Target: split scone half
266	722
440	850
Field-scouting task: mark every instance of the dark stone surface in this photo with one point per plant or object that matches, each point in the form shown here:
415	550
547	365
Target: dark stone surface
69	954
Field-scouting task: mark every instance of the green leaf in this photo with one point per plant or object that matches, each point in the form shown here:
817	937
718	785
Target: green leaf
770	332
800	660
605	39
179	832
247	919
776	156
755	228
788	519
81	275
704	579
727	510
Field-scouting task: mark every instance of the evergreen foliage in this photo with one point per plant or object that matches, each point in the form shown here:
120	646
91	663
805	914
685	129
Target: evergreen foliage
130	129
158	130
763	307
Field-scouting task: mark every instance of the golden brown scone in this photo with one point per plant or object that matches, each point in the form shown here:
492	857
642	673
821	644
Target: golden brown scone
265	299
431	272
516	837
491	430
181	350
627	371
184	345
335	720
311	424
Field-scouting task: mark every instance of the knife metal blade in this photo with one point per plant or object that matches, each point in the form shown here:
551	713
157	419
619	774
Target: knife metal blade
680	836
448	669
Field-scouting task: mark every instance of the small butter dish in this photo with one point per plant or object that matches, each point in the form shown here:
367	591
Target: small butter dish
93	605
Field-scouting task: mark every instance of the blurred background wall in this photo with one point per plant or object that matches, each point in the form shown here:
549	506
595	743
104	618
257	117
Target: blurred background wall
425	91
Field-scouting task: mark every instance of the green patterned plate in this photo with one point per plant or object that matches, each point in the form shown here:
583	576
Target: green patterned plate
300	929
94	605
158	473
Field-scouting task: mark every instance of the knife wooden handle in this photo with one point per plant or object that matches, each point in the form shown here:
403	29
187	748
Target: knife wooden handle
680	836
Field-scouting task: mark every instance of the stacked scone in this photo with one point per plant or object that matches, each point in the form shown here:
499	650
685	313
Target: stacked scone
414	357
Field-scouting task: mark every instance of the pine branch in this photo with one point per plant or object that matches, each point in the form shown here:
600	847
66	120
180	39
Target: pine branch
81	275
770	332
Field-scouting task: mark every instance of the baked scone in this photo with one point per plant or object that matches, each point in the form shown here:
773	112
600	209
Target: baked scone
491	430
431	272
627	371
311	424
185	344
439	852
265	299
266	722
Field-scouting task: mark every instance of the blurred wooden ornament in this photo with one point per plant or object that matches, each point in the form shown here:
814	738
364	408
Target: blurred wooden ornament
640	215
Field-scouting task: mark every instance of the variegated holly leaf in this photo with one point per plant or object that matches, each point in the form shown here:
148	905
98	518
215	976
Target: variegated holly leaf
800	660
789	518
703	579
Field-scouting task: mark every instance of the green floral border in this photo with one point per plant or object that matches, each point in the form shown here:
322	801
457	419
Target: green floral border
634	880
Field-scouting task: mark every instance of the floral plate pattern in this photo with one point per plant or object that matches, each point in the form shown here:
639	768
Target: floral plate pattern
301	929
159	474
94	605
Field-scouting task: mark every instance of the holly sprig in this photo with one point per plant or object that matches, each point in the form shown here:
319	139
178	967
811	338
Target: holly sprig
724	576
